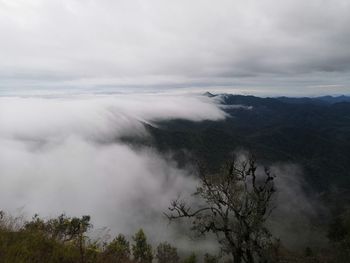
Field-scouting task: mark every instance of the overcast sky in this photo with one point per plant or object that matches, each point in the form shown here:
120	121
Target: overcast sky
252	46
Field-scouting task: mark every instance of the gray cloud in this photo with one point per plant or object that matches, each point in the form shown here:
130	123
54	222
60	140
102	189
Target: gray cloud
253	45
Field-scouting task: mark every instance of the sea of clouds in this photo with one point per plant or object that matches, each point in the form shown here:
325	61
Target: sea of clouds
63	154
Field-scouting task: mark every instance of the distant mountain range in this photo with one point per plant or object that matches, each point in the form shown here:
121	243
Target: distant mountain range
311	132
316	100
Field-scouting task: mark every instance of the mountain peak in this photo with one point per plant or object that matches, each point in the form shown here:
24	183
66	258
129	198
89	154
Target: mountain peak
208	94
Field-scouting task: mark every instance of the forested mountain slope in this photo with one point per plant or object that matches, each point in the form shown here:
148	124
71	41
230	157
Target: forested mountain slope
311	132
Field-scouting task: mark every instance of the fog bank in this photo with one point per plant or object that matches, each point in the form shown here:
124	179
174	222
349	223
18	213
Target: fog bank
62	154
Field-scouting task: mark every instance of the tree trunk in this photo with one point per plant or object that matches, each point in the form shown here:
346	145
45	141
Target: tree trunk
81	250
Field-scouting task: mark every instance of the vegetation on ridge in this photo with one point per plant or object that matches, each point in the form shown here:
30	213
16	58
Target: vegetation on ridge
233	205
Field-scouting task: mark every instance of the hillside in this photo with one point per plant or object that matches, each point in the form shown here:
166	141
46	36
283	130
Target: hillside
311	132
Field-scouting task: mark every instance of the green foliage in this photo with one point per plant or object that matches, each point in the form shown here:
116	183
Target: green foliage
118	250
142	251
34	246
57	240
191	259
62	229
166	253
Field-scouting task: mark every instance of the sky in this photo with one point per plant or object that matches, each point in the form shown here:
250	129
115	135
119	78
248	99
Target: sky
262	47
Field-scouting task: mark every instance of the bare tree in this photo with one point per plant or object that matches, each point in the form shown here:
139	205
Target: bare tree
236	204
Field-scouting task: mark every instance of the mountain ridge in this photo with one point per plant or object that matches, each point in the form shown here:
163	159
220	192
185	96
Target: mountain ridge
315	136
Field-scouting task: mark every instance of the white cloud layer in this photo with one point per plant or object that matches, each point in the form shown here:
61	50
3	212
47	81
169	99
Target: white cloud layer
62	154
255	44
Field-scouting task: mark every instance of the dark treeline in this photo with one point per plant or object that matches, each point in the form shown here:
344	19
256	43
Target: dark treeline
235	205
65	239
